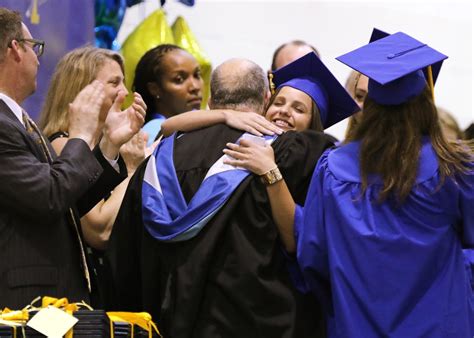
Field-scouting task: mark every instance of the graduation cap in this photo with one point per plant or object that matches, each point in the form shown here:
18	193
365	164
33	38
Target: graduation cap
395	67
377	34
312	77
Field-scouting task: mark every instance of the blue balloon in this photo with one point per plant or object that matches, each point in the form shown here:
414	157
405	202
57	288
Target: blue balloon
108	18
131	3
187	2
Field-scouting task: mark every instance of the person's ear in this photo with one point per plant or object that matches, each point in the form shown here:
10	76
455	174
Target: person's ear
15	50
154	89
268	95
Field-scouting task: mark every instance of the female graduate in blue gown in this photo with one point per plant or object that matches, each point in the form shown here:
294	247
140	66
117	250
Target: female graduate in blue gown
380	238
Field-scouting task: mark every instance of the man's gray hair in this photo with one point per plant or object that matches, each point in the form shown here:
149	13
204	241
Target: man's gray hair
239	84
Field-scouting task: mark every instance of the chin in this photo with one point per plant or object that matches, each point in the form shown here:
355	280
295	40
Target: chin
32	90
195	106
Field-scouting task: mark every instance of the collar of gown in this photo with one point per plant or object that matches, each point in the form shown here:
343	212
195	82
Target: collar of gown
343	162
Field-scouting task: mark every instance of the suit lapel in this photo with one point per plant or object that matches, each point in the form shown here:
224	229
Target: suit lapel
34	146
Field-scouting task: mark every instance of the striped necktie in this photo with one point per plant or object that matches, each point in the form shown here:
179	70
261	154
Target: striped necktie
36	134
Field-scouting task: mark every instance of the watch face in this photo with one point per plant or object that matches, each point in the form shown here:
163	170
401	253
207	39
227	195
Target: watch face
271	176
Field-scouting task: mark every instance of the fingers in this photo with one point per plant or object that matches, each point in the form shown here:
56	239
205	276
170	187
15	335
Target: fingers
139	109
116	106
266	127
237	147
137	98
253	131
235	154
249	143
90	93
233	162
138	104
139	120
145	137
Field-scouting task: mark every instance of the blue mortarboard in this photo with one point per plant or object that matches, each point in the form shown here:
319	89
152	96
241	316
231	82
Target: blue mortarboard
377	34
394	67
311	76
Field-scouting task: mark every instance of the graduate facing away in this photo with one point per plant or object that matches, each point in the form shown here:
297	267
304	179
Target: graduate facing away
379	241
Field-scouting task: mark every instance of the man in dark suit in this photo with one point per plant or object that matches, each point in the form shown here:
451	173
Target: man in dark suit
43	195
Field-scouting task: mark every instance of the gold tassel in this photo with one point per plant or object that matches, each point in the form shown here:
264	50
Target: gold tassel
35	18
430	81
270	82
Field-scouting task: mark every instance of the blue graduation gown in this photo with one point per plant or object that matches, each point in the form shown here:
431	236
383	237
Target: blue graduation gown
382	270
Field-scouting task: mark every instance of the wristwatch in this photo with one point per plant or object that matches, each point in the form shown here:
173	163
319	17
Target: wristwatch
271	177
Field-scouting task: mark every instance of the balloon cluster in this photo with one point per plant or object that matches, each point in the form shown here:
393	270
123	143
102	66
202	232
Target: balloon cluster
108	18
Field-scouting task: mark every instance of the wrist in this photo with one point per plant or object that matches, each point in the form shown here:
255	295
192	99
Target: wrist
272	176
89	139
108	149
131	168
225	116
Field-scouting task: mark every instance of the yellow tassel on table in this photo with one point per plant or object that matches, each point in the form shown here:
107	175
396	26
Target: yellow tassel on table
142	319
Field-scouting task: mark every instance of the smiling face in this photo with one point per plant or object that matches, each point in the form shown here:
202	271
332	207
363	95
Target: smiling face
111	75
181	84
291	109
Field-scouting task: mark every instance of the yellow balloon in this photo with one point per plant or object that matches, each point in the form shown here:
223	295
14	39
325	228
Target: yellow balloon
153	31
184	38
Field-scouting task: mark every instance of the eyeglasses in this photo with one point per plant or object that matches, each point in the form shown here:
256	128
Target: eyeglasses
36	45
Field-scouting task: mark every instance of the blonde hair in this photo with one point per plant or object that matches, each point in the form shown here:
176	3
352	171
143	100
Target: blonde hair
449	124
74	71
351	85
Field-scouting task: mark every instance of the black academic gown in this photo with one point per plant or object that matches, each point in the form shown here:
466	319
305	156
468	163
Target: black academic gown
231	280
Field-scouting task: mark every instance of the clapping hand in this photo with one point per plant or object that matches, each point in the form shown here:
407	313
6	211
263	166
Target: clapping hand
121	125
84	113
133	152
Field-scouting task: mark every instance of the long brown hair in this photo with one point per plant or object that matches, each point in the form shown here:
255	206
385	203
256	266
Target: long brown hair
390	142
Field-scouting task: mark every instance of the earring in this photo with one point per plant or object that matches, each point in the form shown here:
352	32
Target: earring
157	97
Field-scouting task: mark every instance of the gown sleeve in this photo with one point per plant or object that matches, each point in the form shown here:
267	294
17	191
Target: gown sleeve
466	207
296	154
123	251
310	234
